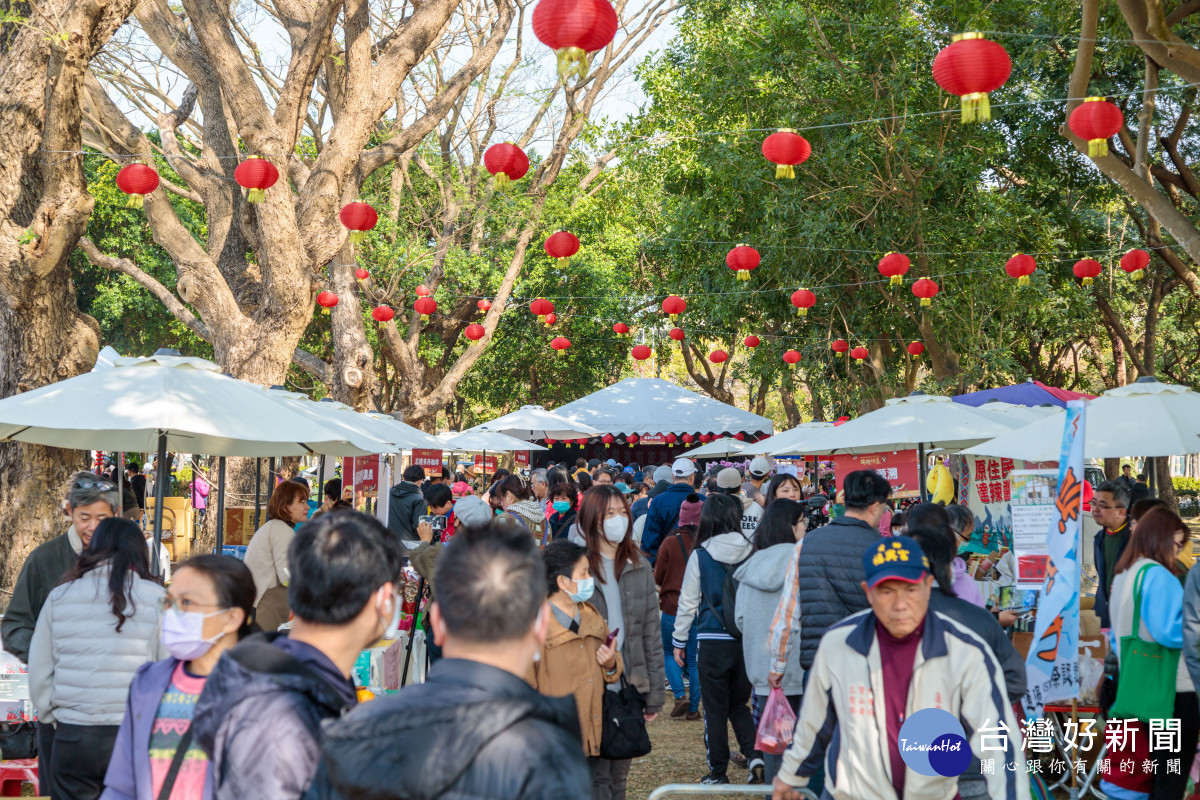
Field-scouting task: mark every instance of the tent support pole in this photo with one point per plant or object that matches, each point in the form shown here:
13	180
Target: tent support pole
321	482
257	489
922	468
271	474
161	472
121	480
220	505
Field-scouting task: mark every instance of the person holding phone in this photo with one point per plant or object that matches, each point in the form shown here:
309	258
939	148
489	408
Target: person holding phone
579	656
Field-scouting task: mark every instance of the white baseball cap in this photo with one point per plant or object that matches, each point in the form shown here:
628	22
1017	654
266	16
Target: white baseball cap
760	467
682	468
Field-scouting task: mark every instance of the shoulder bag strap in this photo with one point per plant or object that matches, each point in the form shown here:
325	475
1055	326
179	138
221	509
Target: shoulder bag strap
686	553
1137	599
185	742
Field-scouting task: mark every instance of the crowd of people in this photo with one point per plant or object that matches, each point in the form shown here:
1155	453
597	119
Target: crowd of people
564	607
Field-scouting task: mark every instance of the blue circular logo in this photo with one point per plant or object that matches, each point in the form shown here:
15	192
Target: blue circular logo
932	742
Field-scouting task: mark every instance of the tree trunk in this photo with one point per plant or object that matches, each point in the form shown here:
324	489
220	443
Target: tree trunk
44	209
1166	489
353	373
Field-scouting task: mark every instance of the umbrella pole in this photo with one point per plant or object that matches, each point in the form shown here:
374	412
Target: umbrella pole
160	491
220	505
922	468
321	482
271	475
257	489
121	479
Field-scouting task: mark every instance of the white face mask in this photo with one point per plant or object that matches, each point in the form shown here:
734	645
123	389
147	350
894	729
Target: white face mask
392	630
183	633
615	529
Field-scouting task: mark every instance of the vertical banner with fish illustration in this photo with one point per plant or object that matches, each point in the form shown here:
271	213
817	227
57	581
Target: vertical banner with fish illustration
1052	667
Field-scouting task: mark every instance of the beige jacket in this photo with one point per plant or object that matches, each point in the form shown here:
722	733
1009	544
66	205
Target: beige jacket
267	556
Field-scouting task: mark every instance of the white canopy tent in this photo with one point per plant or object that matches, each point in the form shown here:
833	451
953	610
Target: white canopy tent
1146	418
653	405
725	446
534	422
477	441
164	403
790	442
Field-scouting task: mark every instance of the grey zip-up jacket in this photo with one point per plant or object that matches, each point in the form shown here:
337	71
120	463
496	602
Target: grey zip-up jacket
760	585
80	665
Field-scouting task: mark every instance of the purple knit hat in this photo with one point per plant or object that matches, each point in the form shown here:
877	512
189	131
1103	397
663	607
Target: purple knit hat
689	512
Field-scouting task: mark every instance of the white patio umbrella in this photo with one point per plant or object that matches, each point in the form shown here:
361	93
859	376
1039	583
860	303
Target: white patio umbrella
787	442
406	436
535	422
477	441
725	446
162	403
1146	418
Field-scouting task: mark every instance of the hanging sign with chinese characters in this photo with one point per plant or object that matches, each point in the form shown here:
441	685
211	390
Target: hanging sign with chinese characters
899	469
984	488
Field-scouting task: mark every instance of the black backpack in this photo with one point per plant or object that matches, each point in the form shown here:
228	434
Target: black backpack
729	586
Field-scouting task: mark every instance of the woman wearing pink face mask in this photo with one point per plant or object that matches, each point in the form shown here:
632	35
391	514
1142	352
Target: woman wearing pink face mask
209	607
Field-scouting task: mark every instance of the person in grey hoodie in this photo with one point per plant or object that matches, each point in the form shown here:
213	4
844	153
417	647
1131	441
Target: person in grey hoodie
724	688
760	586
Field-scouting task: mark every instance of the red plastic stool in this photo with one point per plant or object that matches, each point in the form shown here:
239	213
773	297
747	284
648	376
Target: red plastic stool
16	772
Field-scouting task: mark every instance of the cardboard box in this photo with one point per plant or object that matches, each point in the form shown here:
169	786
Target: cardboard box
239	524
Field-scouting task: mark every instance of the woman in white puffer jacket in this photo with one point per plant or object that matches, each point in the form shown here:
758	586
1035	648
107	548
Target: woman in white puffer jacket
94	632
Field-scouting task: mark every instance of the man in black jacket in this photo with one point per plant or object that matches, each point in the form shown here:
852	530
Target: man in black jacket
259	716
406	504
475	728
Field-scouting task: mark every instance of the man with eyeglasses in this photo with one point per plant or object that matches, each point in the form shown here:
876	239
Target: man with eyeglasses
1110	509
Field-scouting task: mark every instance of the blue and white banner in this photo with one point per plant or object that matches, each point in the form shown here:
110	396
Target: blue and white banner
1052	667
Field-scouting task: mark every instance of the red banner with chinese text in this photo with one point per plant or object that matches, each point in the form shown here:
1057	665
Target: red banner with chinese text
522	457
899	469
489	467
427	458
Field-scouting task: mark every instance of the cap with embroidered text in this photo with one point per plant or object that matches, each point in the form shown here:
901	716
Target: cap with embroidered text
896	558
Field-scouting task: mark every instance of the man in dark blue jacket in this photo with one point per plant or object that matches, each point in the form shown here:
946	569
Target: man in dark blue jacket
475	728
663	516
259	715
1110	509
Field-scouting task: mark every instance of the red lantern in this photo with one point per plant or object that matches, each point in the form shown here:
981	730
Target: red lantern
925	289
1086	269
574	28
1135	262
422	291
327	299
507	162
359	218
674	305
632	438
560	343
705	438
741	260
803	300
718	356
915	349
580	442
474	332
1096	120
382	314
425	306
741	437
562	246
785	149
894	265
677	334
859	353
550	442
971	67
551	319
483	305
751	341
541	307
361	274
257	175
137	180
1020	266
671	438
688	438
791	357
608	439
620	328
840	346
641	352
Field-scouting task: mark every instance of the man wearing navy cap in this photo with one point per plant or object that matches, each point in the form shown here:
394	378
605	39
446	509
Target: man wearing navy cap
899	655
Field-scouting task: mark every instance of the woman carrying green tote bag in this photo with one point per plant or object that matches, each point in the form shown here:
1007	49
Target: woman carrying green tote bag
1147	633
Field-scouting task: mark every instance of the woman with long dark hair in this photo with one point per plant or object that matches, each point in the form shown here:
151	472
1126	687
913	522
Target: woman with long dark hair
724	687
782	487
1151	563
625	597
209	607
97	628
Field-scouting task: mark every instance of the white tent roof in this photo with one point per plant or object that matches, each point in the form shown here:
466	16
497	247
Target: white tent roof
725	446
476	441
535	422
784	443
652	405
